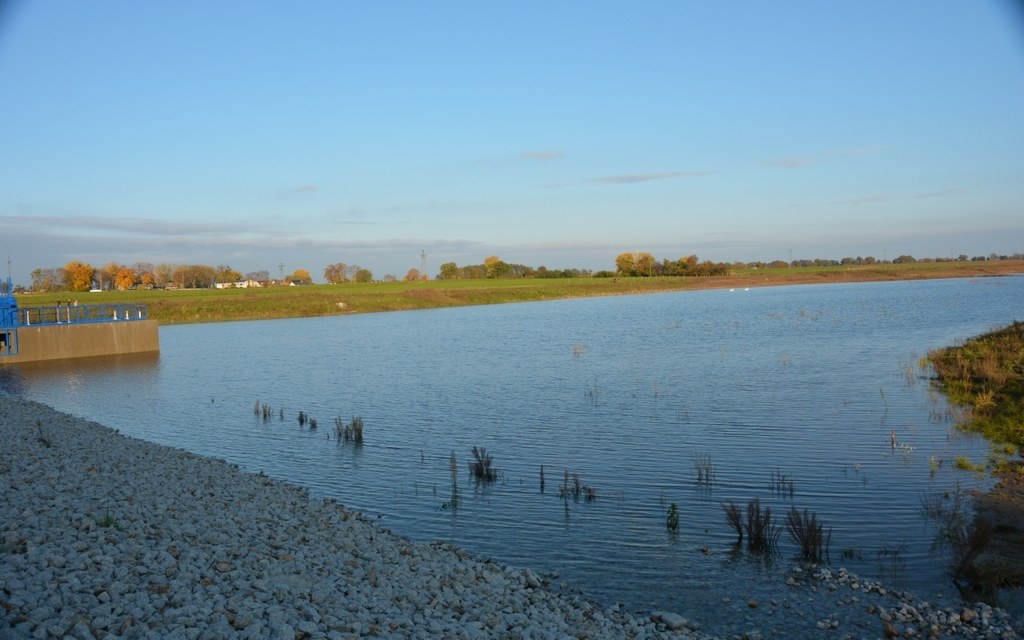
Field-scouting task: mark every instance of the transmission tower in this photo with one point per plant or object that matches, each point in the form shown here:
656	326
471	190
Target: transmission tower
423	263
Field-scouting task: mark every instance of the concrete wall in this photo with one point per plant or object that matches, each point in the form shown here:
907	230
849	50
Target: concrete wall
55	342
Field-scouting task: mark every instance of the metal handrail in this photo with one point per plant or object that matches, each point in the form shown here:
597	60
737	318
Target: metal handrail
76	314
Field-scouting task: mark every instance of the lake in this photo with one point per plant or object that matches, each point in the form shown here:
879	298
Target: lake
802	387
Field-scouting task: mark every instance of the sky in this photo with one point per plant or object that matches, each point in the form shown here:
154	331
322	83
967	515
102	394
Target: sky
280	135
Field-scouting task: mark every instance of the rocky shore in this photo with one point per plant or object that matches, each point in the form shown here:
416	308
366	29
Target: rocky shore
105	536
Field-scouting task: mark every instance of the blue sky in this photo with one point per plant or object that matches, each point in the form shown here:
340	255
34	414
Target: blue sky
548	133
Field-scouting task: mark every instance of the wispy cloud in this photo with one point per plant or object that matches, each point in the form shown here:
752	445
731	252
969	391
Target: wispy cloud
542	156
632	178
800	161
791	162
145	226
861	152
295	191
945	193
886	197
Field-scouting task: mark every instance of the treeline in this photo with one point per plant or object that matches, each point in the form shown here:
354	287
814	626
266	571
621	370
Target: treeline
495	267
644	264
82	276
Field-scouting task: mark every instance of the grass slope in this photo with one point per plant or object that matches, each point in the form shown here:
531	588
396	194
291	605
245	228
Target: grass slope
218	305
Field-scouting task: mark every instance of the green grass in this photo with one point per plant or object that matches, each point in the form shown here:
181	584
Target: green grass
964	464
986	373
218	305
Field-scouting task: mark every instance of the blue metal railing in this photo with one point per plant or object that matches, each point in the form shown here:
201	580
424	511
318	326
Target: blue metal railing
77	314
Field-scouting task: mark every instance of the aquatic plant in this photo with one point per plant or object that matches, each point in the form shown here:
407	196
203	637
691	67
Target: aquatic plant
964	464
809	534
453	468
482	466
781	483
762	533
704	469
734	516
576	489
353	431
672	519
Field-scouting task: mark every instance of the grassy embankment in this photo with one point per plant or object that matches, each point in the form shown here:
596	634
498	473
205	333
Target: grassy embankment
218	305
986	374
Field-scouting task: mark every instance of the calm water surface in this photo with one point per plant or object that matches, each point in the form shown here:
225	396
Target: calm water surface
803	382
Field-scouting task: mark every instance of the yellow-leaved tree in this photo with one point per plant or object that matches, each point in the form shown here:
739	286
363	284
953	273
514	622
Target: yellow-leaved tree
78	276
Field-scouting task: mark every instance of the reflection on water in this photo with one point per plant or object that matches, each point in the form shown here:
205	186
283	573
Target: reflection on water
693	398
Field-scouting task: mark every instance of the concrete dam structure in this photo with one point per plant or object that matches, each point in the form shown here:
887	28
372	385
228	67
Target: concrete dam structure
69	330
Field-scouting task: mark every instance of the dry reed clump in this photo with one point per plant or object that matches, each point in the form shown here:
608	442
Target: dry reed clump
482	467
262	409
762	533
351	432
809	534
734	516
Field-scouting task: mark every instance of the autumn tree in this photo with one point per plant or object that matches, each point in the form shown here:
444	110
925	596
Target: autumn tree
450	271
335	273
224	273
644	263
495	267
300	276
625	264
144	273
364	275
78	276
412	276
106	274
125	278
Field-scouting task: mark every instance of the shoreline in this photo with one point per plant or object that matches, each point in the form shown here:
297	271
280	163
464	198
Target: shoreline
104	535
